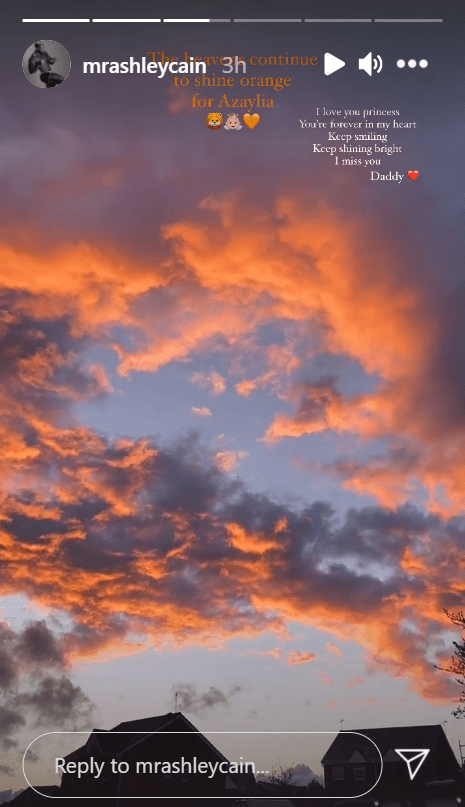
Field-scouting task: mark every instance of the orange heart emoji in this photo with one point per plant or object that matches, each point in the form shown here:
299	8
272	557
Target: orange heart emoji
413	175
251	120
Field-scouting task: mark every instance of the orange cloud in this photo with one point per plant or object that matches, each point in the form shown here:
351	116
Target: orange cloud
114	534
203	411
260	257
297	657
355	682
113	531
311	265
282	362
292	263
334	649
129	537
251	542
214	382
229	460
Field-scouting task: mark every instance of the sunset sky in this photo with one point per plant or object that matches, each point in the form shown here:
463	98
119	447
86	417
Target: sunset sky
232	388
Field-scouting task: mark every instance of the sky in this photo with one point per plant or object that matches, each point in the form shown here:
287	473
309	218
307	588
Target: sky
231	385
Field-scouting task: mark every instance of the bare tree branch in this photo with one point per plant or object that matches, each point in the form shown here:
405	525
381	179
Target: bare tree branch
457	666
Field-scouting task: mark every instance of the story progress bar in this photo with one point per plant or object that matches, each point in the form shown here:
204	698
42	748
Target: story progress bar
217	20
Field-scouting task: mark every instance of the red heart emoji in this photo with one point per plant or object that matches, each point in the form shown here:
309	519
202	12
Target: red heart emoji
413	175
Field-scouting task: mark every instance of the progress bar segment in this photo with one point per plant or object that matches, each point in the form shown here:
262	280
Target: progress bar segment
300	20
337	20
408	20
119	20
55	20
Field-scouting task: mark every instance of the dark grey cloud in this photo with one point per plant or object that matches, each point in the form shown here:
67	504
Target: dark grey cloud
315	398
8	671
57	702
38	646
41	356
10	721
35	688
193	702
438	398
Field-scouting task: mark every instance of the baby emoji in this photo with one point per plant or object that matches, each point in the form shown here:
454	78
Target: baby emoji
233	122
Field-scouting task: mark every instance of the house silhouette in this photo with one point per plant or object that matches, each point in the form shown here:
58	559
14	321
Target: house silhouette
352	767
137	745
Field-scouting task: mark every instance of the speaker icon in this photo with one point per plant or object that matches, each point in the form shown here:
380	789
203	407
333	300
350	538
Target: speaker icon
370	63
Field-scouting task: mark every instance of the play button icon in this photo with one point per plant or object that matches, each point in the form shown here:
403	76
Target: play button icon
332	63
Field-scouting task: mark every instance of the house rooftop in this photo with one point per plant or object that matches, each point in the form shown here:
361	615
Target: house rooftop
115	740
384	738
149	724
118	740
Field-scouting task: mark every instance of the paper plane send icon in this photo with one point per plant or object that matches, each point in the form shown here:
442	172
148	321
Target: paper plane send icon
332	63
414	757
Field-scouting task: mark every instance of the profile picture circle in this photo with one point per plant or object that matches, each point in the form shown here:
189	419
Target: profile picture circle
46	63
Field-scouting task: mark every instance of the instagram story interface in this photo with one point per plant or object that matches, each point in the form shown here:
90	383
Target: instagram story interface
232	389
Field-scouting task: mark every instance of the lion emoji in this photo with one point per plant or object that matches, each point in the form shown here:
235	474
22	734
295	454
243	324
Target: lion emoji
214	120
